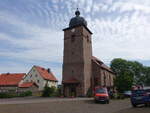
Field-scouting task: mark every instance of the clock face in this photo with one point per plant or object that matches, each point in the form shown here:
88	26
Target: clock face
73	30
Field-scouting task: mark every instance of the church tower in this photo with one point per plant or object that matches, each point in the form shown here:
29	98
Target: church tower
77	57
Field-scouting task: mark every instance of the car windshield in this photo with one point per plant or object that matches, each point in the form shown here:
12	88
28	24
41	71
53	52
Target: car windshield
100	90
138	91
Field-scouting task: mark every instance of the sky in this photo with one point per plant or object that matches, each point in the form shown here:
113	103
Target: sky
31	31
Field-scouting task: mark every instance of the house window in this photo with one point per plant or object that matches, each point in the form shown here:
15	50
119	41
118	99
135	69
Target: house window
36	75
38	81
30	76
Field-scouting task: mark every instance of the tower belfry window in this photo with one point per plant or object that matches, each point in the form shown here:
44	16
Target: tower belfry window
88	39
72	71
72	53
72	38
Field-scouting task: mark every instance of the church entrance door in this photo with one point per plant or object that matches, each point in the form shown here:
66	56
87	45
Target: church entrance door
72	90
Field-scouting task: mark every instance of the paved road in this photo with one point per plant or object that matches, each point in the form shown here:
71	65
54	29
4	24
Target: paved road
77	105
28	100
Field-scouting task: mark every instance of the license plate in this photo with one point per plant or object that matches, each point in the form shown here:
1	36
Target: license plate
138	98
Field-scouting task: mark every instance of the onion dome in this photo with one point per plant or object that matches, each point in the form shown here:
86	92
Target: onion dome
77	20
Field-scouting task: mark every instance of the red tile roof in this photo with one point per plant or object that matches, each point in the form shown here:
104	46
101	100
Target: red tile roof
9	79
97	60
101	64
26	84
45	74
71	80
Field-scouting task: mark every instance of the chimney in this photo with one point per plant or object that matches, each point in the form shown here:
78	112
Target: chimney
49	70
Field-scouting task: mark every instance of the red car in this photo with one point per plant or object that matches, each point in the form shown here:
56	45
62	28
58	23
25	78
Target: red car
101	95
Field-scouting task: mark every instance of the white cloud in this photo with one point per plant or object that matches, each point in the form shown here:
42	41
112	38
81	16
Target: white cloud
14	69
40	44
100	7
129	6
125	36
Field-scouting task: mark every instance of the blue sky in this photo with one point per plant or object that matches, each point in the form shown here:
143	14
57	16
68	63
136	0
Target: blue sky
31	31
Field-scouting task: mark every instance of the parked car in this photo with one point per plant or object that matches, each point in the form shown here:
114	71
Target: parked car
140	96
127	94
101	95
147	98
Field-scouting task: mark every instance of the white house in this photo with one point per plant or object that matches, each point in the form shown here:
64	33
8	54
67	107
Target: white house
41	77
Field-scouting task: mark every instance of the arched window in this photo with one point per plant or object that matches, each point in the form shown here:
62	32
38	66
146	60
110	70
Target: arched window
104	79
96	81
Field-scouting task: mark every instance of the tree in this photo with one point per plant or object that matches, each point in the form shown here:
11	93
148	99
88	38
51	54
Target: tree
118	65
124	72
137	69
124	82
129	73
147	76
58	91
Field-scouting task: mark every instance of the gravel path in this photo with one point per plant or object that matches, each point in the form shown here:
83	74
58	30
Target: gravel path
78	105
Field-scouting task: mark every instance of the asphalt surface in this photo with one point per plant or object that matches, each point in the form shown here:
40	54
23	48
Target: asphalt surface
67	105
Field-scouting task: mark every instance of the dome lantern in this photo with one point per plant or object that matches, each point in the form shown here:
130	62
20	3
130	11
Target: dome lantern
77	13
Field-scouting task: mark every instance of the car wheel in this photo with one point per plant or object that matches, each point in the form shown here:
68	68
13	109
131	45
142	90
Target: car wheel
134	105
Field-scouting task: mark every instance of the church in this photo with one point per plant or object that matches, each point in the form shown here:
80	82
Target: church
81	70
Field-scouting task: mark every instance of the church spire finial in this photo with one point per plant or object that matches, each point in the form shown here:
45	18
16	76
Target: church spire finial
77	13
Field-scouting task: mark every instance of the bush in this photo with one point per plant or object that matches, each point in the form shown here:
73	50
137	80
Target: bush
89	93
24	94
5	95
11	95
120	96
48	91
57	92
72	94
